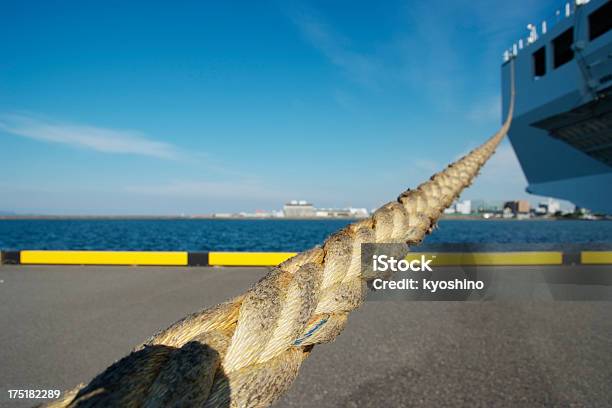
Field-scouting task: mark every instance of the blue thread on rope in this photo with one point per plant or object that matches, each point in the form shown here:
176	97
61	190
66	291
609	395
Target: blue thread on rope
310	332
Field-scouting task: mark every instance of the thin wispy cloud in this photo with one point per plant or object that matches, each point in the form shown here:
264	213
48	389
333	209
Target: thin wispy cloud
428	54
103	140
362	68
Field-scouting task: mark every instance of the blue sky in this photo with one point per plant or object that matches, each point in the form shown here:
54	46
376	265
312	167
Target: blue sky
198	107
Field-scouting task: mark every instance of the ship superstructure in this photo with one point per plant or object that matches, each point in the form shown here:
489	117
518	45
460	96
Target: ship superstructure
562	126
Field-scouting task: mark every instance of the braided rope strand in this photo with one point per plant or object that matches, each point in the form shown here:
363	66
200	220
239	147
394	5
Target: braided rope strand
246	352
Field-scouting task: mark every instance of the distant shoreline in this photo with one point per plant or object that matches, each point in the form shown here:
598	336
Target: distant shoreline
238	218
161	217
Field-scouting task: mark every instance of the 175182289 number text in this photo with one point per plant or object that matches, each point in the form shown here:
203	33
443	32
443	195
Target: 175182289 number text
34	394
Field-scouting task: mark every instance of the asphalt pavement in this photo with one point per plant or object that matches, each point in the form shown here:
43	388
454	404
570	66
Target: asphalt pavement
60	326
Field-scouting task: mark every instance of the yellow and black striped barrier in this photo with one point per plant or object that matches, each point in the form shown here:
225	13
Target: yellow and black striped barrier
178	258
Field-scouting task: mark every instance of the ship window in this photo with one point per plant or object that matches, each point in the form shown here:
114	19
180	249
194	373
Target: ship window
600	21
562	46
539	62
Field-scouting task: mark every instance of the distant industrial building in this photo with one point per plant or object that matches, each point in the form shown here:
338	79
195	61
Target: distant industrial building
460	207
483	206
464	207
359	212
549	206
304	209
518	206
298	209
349	212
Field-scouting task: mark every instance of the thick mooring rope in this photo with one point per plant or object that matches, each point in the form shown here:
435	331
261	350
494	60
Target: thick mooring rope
246	352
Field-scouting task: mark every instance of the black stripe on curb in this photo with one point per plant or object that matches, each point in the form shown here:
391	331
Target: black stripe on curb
11	257
197	259
571	258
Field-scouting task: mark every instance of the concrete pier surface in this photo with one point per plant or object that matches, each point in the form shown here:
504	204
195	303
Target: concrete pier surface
61	325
